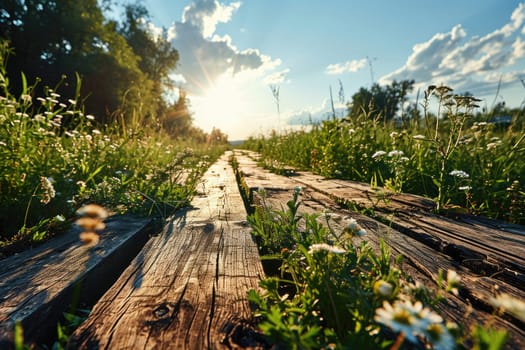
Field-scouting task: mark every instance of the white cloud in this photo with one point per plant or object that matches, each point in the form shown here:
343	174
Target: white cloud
277	77
464	63
349	66
315	115
204	55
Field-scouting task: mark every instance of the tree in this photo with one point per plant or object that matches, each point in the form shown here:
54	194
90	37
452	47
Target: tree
381	102
122	67
177	120
157	57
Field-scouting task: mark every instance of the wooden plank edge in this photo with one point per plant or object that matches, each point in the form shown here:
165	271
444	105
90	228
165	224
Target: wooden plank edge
39	325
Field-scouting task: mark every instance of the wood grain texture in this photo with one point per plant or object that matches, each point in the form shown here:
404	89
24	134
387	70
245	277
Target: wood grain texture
489	258
187	289
37	286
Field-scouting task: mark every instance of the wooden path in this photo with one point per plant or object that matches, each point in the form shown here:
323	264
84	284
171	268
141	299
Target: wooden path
187	289
38	285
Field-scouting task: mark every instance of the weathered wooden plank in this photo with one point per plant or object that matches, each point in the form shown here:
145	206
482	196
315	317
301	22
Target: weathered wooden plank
37	286
424	258
487	247
187	289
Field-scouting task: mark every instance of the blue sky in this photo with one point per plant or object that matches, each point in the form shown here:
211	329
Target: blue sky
233	51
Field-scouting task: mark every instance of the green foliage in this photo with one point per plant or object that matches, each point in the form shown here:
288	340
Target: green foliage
54	158
381	102
331	293
422	156
124	67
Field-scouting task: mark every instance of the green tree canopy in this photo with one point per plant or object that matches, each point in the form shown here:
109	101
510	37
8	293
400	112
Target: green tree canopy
380	101
122	66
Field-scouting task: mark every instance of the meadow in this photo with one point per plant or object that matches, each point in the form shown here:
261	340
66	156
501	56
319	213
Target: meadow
54	159
451	153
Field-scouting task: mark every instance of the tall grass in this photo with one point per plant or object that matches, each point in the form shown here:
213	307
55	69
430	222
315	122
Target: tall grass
54	158
454	156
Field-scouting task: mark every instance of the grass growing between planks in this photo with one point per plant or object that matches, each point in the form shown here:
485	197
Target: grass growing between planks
331	293
453	155
55	159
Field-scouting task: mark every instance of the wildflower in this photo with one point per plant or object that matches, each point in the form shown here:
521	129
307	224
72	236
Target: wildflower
89	238
49	191
404	159
2	143
464	188
383	288
54	94
393	134
510	304
96	131
93	211
400	317
351	131
40	99
90	224
25	98
353	225
63	105
439	336
493	145
90	117
459	173
60	218
360	232
378	154
419	137
325	247
39	118
72	102
69	134
395	153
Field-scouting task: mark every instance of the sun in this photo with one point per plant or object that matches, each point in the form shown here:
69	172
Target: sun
224	100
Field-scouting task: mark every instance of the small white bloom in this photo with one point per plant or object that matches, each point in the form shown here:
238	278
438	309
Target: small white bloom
464	188
459	173
378	154
395	153
440	337
96	131
325	247
383	288
90	117
419	137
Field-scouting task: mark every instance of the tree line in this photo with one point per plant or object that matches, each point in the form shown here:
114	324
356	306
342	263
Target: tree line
118	68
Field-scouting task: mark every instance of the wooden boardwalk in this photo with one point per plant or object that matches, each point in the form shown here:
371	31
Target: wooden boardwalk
186	288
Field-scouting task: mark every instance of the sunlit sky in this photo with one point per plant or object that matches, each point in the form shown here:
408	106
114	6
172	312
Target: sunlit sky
231	52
